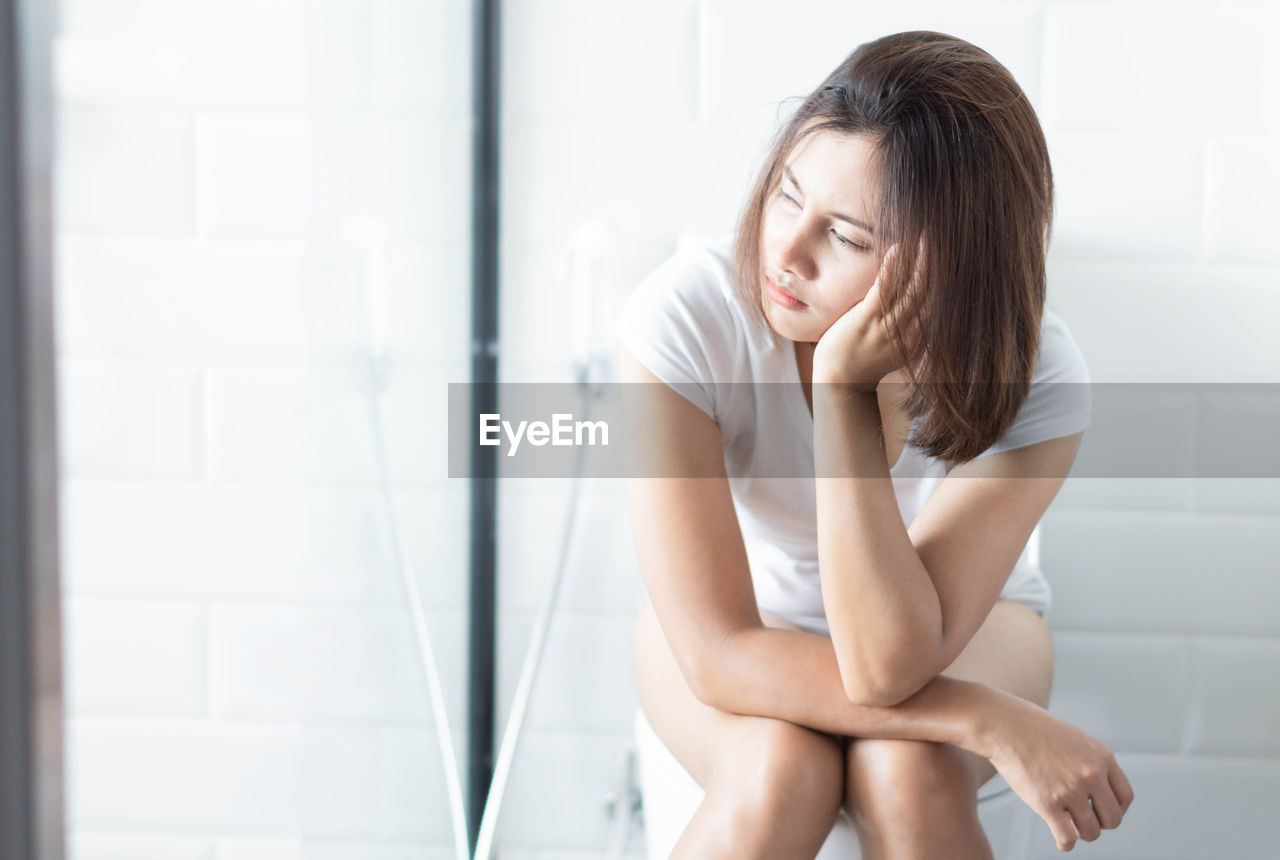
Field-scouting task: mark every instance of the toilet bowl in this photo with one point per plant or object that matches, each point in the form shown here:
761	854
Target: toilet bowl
671	796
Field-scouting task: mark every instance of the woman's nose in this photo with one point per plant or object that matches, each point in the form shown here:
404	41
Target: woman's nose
794	253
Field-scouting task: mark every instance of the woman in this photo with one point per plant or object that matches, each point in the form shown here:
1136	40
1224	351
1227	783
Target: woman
825	629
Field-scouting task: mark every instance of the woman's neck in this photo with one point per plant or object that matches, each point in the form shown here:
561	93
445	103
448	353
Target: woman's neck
804	361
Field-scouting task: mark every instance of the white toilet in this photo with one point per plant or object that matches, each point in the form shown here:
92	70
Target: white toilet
671	796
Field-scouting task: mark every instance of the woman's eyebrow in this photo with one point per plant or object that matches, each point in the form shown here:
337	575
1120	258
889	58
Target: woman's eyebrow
854	221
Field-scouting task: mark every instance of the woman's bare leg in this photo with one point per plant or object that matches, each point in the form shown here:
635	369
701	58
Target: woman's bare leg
773	788
913	799
918	799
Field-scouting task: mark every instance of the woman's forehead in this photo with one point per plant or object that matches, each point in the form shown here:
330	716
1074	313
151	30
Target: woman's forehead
838	168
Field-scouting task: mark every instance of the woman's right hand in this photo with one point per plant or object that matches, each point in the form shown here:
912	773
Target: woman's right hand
1069	778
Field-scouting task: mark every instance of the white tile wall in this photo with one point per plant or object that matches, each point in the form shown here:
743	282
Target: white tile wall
241	674
1237	711
1098	76
649	70
251	176
124	173
109	846
1128	690
1127	196
137	657
1239	227
1201	322
140	421
1163	572
143	297
312	664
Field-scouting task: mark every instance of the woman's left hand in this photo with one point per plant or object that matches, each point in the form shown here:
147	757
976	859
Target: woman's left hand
1070	779
856	352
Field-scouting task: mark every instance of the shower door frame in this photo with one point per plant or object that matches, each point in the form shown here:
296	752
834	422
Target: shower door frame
32	819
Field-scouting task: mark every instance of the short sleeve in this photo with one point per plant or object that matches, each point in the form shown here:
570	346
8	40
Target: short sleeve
1059	402
675	322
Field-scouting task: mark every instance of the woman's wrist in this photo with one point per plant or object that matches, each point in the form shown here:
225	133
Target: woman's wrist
990	717
827	377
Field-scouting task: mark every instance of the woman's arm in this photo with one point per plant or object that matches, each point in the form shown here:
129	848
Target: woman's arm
695	567
902	603
793	675
881	605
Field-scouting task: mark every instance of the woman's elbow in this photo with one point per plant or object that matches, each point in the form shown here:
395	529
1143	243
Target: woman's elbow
714	675
870	695
703	674
886	691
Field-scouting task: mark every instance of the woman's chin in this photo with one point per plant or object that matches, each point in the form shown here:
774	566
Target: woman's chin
791	331
798	334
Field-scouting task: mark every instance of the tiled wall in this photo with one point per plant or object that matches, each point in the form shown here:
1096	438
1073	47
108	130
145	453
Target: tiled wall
241	668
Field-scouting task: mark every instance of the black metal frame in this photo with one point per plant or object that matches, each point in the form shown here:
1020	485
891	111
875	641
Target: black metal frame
485	223
31	701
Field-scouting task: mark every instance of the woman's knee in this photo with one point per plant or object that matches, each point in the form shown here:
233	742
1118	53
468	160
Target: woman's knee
897	780
770	769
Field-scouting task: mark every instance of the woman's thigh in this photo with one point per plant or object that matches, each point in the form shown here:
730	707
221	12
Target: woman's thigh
707	741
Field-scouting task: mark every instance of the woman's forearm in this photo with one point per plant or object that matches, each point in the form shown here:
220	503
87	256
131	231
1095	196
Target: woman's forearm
792	675
885	615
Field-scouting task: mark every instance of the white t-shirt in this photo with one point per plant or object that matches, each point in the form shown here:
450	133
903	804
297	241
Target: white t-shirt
686	324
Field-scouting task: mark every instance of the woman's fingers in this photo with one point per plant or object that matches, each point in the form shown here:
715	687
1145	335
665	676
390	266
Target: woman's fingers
884	262
1120	785
1111	795
1086	820
1062	827
1106	805
905	312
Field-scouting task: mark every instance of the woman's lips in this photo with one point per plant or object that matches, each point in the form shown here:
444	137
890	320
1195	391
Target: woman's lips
781	297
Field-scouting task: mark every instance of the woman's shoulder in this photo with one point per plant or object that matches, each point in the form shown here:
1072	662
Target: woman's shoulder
683	320
691	298
1060	358
1059	402
691	285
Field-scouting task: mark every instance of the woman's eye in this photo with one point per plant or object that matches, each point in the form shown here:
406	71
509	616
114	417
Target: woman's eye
848	242
842	239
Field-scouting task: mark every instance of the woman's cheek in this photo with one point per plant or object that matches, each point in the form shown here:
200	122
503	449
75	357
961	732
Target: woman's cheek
862	294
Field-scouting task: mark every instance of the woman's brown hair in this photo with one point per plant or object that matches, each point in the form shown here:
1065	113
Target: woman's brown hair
964	176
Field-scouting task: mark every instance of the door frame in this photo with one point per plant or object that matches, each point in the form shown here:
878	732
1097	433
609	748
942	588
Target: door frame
32	820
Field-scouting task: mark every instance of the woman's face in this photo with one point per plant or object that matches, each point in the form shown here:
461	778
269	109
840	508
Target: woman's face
816	242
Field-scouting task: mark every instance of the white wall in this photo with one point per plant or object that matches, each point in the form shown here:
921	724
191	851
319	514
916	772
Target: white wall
241	675
240	668
1164	263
